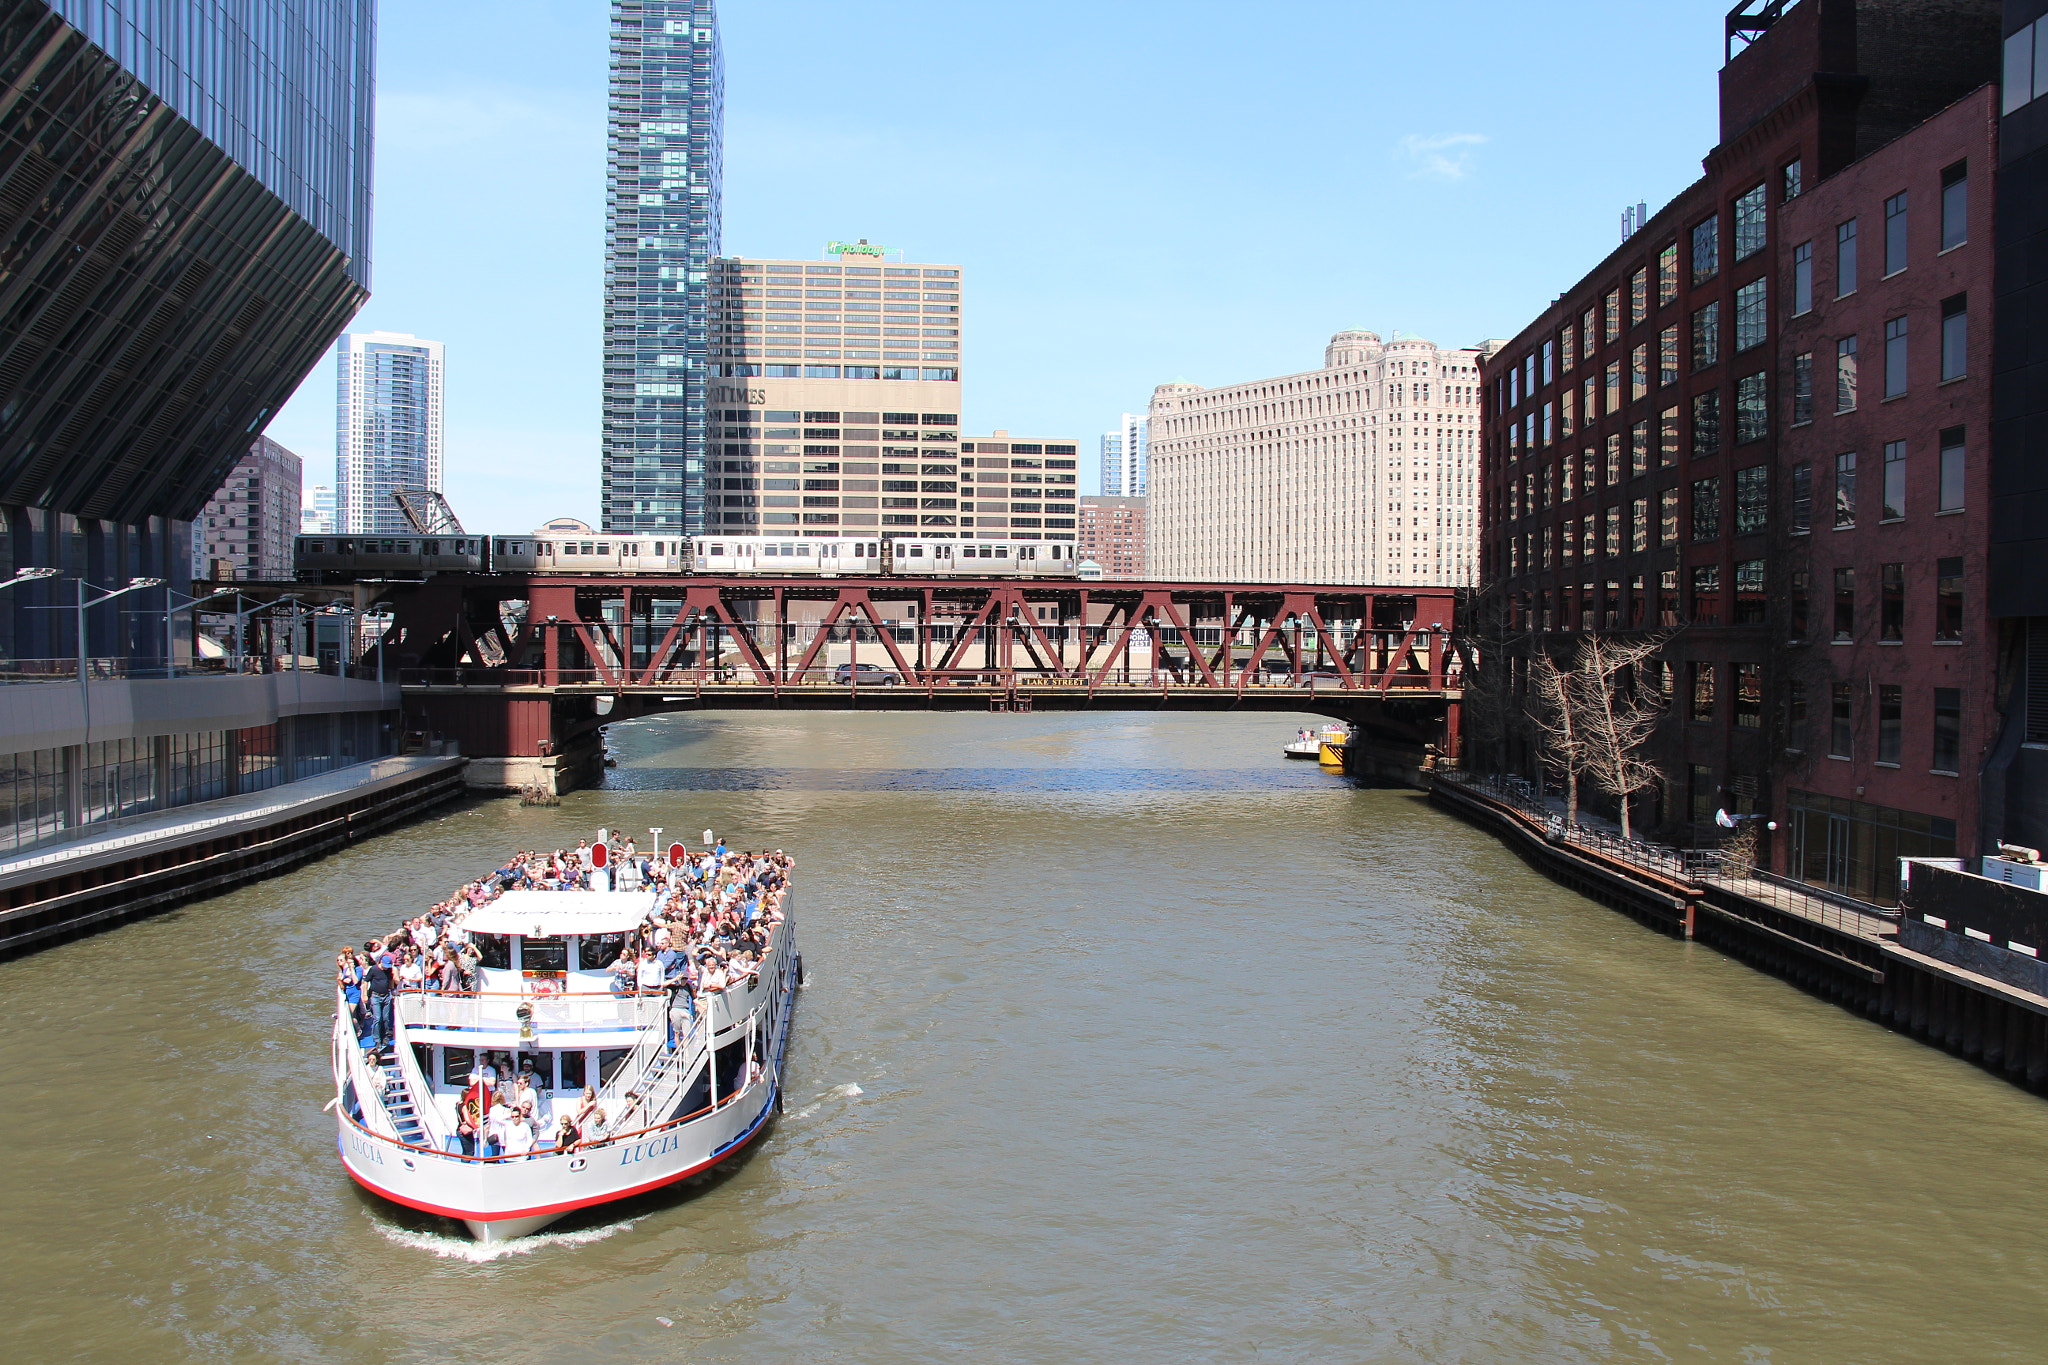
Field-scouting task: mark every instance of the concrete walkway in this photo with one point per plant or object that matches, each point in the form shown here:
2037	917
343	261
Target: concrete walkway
259	808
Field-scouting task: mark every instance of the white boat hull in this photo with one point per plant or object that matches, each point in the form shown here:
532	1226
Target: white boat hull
499	1199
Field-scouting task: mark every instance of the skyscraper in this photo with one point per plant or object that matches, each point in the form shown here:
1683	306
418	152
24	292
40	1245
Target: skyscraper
1126	455
661	231
825	369
388	427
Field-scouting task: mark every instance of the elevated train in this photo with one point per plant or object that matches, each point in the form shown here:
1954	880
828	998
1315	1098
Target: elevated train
353	558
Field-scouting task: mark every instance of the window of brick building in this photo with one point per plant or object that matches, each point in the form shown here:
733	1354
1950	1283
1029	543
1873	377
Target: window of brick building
1894	357
1842	722
1750	604
1948	599
1948	730
1800	608
1845	490
1891	602
1845	375
1749	696
1891	723
1802	388
1706	423
1749	223
1955	205
1895	233
1702	692
1894	482
1845	603
1950	497
1667	274
1752	408
1667	437
1706	595
1752	499
1845	258
1639	449
1752	317
1706	336
1802	278
1955	337
1706	509
1706	250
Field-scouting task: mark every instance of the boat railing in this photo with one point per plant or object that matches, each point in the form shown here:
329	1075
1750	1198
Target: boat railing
502	1011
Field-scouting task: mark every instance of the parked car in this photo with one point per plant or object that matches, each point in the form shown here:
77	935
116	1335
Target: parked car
864	674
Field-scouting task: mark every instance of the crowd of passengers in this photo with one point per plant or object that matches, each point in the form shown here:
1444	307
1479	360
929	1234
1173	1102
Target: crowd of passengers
709	933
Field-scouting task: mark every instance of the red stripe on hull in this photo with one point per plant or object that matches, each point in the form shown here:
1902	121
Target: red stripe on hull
504	1214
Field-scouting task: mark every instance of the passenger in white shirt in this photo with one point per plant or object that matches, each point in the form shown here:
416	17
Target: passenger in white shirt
519	1135
650	972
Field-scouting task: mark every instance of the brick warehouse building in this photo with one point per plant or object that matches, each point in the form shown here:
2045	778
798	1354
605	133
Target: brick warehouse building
1634	472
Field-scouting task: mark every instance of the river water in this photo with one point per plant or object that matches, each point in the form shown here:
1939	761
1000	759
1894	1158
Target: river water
1124	1041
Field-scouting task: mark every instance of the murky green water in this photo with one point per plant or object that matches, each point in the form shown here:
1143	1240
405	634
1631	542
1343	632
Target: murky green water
1125	1041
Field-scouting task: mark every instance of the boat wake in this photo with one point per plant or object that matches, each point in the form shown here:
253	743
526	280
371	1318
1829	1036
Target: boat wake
478	1253
837	1092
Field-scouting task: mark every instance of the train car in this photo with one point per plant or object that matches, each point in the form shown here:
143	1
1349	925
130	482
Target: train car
589	552
352	558
917	558
714	554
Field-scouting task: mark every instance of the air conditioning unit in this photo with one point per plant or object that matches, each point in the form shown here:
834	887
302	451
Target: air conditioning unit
2028	875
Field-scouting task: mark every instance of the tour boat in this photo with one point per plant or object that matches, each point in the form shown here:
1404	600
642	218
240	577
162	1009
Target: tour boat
681	1093
1325	746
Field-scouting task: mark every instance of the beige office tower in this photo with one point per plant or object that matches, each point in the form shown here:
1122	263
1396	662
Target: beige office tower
1364	472
834	401
1018	487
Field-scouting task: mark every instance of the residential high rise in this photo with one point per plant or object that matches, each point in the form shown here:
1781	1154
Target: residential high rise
1018	488
1113	535
1364	471
1125	456
247	527
662	202
388	427
317	514
835	396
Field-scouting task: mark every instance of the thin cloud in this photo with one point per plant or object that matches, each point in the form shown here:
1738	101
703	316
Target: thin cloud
1440	156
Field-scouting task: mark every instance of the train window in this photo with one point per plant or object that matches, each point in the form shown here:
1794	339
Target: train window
657	547
583	547
501	547
718	549
318	547
603	548
345	547
544	549
917	552
568	547
433	547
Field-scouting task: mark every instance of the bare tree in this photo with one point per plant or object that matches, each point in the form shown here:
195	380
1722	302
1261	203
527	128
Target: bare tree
1616	708
1555	711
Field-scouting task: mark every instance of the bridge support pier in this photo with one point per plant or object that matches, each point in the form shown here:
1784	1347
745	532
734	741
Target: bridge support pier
512	741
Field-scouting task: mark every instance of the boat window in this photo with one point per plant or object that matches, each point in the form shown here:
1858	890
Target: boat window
543	1064
572	1071
456	1064
544	954
610	1061
599	951
493	950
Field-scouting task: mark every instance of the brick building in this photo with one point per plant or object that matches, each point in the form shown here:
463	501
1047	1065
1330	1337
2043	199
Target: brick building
1636	439
1113	535
1887	665
246	529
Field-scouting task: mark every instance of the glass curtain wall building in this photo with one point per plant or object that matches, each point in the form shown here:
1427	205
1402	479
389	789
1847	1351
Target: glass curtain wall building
661	233
388	427
184	208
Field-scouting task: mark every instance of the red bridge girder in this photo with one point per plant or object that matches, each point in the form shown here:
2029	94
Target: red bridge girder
623	633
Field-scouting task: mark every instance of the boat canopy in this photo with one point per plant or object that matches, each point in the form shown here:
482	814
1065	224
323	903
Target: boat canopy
553	914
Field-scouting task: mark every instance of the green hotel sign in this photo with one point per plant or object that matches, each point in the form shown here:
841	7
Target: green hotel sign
860	248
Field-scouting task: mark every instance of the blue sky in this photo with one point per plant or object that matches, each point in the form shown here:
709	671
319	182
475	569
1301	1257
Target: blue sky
1140	191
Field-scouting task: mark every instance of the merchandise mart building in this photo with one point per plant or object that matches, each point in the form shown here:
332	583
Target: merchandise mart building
834	397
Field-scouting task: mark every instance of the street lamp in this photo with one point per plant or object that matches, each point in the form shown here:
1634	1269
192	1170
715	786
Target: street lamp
29	576
84	692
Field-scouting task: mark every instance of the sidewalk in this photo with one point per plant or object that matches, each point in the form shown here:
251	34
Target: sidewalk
170	827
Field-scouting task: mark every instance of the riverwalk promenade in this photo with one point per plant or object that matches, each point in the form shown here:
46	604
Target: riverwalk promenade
1846	950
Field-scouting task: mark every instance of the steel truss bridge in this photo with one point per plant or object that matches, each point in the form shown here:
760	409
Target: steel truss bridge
521	664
